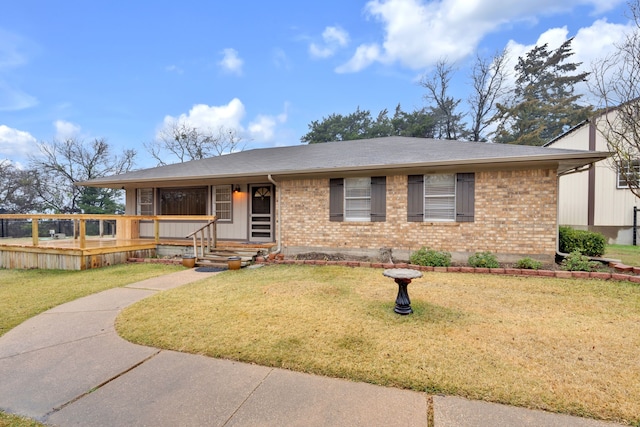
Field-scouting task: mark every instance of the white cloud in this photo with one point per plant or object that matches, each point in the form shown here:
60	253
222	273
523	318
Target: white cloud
213	117
14	99
15	143
174	69
66	130
263	127
333	39
231	62
14	53
589	44
418	33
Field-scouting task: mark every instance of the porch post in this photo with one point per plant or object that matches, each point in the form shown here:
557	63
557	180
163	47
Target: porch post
156	229
34	231
83	231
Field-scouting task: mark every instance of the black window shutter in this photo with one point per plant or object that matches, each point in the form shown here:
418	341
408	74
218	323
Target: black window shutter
465	197
336	199
378	198
415	198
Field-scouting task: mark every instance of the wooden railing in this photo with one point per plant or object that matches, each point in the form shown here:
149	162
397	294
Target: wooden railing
127	226
211	238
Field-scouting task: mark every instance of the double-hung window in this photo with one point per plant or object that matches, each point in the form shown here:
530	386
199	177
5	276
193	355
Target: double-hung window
145	201
441	197
358	199
222	202
628	173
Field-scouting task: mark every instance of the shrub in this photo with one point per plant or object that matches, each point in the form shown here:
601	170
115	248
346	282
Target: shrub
528	263
576	261
430	257
483	260
586	242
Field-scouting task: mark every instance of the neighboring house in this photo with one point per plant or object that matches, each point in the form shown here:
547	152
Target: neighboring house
357	197
598	199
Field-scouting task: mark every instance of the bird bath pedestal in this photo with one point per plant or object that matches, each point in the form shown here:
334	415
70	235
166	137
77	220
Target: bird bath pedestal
403	277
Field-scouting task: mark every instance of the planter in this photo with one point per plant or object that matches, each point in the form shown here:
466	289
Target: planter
234	263
189	261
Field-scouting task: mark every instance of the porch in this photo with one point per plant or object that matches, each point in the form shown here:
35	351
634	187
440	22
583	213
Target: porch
93	247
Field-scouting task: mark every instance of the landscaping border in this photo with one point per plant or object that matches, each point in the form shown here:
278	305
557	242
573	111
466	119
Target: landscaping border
623	272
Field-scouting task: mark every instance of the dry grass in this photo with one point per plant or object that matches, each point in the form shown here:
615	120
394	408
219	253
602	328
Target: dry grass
568	346
7	420
25	293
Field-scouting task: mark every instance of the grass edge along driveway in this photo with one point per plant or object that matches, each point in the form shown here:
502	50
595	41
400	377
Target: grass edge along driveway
562	345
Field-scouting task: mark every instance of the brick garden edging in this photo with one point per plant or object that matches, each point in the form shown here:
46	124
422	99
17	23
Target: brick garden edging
625	272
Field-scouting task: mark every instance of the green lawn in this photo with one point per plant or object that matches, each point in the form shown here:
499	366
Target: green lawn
628	254
25	293
563	345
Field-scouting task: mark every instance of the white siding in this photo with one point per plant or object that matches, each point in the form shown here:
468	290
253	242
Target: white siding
613	206
237	229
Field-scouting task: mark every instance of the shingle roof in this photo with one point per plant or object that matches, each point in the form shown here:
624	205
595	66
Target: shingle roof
341	156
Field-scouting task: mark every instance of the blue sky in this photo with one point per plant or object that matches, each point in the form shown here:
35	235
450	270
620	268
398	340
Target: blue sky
119	69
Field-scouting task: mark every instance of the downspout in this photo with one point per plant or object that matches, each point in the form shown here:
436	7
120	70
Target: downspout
278	216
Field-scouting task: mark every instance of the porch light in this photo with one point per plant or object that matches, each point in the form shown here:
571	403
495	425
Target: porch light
236	188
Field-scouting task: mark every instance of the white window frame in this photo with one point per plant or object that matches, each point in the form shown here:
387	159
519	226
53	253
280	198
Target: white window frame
429	195
621	181
149	205
352	199
217	204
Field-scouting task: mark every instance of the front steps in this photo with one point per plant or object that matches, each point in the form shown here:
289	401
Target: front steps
219	256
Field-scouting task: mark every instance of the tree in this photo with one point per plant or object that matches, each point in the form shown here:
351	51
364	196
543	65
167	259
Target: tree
181	141
616	82
17	189
361	125
488	78
63	163
544	104
449	124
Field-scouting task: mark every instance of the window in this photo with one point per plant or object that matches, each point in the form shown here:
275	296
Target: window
183	201
222	202
145	201
628	173
358	199
441	197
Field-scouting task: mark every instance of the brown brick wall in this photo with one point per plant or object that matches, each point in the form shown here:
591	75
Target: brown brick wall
515	214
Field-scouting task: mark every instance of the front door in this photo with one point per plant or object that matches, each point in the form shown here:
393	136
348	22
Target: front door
261	217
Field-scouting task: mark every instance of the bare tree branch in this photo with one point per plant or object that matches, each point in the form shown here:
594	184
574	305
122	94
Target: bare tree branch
179	141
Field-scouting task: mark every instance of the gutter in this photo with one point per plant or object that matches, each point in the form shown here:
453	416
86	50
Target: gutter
278	216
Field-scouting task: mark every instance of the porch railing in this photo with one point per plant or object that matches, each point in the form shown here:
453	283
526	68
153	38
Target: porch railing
206	233
127	226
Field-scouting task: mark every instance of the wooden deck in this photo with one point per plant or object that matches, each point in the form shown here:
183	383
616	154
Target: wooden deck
67	254
84	252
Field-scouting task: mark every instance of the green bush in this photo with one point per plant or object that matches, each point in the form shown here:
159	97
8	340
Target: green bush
483	260
528	263
586	242
575	261
430	257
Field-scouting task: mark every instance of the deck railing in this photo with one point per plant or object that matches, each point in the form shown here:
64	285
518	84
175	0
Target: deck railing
127	226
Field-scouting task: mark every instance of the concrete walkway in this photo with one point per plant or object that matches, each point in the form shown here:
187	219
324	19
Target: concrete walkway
68	367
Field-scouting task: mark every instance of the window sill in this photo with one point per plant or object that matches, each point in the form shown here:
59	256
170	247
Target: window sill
441	223
358	223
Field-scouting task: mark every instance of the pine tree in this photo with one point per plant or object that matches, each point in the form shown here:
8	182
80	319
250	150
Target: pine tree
544	104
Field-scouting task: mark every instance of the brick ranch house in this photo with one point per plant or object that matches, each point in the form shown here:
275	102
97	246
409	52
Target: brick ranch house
356	197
